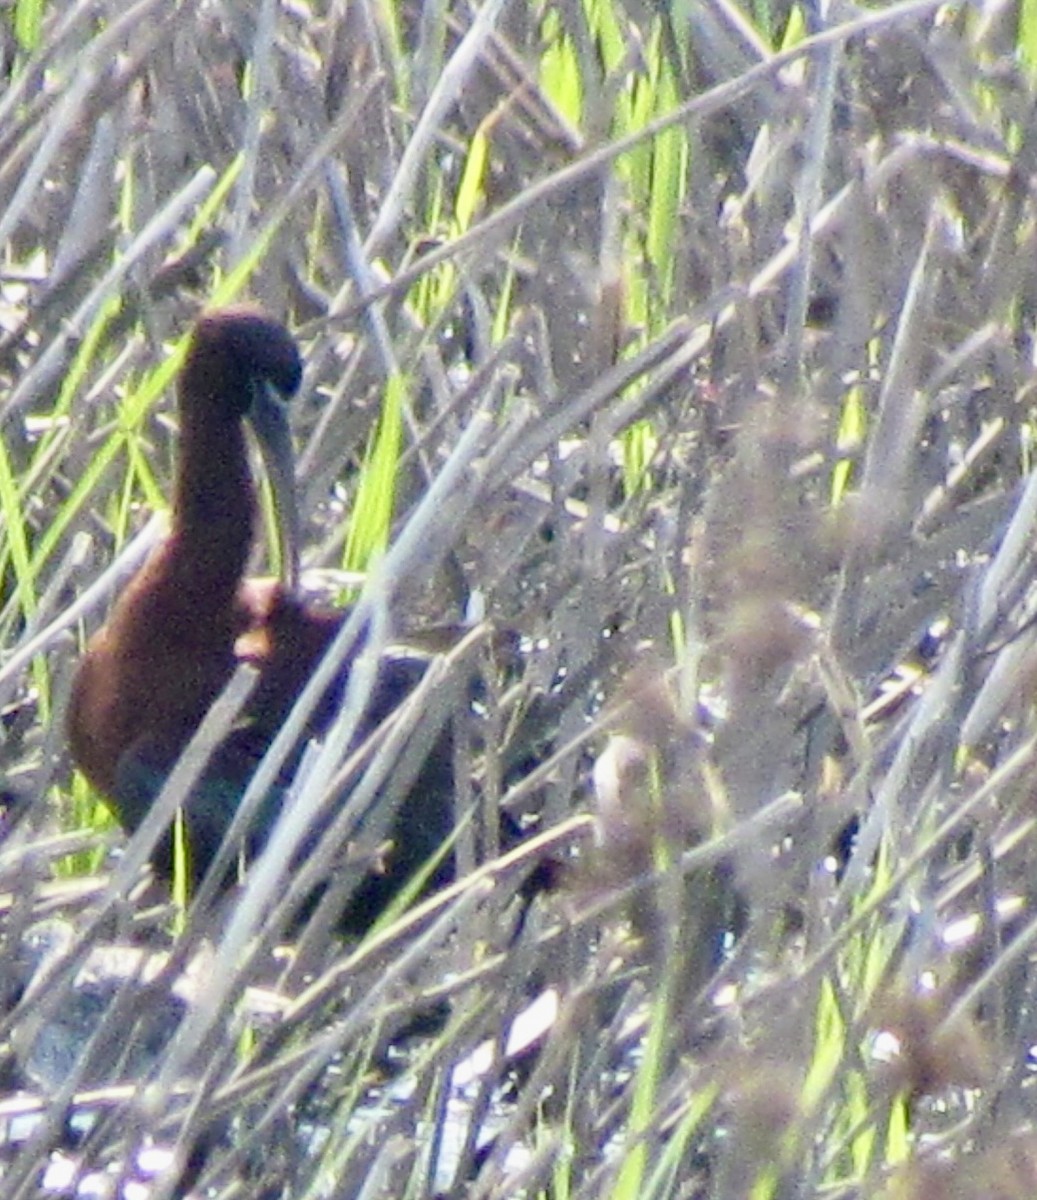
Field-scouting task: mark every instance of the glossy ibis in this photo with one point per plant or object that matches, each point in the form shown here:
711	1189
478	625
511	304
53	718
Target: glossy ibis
186	620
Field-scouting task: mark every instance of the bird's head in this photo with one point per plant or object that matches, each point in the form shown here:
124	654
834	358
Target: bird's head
242	365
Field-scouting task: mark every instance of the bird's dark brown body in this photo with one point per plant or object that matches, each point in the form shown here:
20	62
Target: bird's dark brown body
189	617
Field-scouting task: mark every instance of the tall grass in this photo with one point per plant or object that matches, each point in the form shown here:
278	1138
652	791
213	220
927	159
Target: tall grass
709	332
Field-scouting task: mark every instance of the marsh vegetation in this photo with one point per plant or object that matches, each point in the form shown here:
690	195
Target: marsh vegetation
710	331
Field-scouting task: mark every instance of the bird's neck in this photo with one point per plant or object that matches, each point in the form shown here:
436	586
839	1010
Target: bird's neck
215	502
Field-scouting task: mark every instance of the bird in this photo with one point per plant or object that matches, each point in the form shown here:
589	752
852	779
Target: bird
191	615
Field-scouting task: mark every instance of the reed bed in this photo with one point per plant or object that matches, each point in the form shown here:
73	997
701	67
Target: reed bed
694	343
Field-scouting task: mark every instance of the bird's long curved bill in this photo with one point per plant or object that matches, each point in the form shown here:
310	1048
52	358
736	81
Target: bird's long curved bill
270	424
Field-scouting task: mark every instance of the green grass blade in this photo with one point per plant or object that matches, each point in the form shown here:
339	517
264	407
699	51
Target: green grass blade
470	193
28	23
376	496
